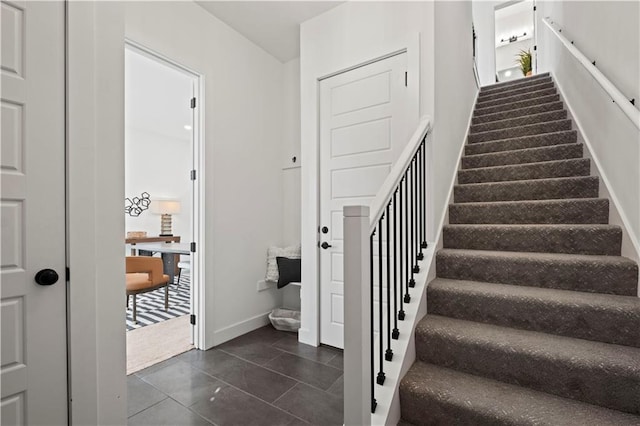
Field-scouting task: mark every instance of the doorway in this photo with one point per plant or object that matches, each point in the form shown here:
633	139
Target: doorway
365	115
514	39
162	146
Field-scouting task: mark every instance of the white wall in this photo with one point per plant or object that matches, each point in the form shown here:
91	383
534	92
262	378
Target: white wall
347	35
607	32
95	152
455	91
243	155
291	208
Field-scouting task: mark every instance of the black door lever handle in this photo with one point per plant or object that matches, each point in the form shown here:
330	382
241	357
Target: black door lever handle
325	245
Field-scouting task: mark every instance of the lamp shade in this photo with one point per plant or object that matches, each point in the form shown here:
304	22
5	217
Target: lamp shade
165	206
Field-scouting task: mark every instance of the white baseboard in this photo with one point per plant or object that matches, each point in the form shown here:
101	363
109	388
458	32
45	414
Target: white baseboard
238	329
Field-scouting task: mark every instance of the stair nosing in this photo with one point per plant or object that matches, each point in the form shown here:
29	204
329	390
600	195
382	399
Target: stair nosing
518	110
518	118
501	166
520	127
531	86
531	181
534	95
537	135
478	109
522	150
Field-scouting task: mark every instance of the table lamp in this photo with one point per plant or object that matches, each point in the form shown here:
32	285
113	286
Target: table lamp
165	208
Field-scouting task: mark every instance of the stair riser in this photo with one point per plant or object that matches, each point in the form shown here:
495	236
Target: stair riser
594	277
552	189
515	92
515	98
514	132
520	121
510	85
606	242
536	109
569	212
539	371
478	112
536	155
583	321
523	142
428	411
549	169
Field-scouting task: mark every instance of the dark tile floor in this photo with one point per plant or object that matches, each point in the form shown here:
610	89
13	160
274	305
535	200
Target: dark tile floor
265	377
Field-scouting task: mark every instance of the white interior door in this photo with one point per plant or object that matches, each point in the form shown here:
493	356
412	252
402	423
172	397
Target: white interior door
364	125
33	317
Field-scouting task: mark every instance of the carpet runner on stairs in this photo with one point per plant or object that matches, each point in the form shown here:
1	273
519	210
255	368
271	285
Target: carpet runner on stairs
534	316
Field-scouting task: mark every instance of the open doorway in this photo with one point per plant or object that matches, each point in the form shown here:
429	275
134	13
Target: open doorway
515	39
161	207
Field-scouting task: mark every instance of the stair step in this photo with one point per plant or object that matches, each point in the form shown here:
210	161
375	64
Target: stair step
520	82
523	142
537	189
547	169
522	90
598	317
536	109
520	112
433	395
581	210
529	101
523	156
515	98
595	274
605	240
593	372
542	117
512	132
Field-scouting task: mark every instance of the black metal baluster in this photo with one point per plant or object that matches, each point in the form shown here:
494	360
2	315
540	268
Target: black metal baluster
407	262
420	199
388	354
414	231
396	332
424	194
412	195
374	403
381	376
402	262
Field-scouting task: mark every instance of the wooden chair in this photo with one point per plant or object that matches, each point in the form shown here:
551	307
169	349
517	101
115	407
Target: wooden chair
144	274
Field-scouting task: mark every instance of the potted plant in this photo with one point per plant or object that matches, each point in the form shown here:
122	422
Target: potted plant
524	60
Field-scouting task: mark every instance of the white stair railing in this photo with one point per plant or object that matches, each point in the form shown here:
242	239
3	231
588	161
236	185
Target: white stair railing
393	229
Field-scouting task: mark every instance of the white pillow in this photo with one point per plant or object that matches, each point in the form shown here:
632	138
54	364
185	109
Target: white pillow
292	252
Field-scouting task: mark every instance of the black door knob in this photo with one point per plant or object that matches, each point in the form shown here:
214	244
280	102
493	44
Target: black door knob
325	245
46	277
325	229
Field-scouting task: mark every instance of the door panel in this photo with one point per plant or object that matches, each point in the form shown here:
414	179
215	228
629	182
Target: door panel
33	354
364	125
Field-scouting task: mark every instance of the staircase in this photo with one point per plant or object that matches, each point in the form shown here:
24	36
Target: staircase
533	317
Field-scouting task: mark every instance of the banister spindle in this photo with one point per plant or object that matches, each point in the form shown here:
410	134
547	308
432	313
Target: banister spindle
412	173
407	261
381	376
424	194
388	354
420	198
396	332
414	259
374	403
401	258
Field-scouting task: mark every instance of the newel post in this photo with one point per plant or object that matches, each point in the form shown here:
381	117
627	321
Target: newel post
357	317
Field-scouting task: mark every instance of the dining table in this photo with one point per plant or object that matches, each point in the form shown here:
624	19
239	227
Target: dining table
168	253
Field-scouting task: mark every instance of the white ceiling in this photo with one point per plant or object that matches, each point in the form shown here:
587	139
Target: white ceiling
272	25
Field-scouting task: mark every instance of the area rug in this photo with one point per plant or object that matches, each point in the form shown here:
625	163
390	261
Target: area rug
151	305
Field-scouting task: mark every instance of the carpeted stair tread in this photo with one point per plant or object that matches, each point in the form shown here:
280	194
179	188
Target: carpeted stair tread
515	98
527	171
523	142
598	317
499	116
596	274
593	372
433	395
580	210
527	102
604	240
541	117
537	189
513	83
527	130
523	156
542	85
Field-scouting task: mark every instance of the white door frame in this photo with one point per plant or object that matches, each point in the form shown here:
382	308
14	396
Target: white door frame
309	332
197	193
